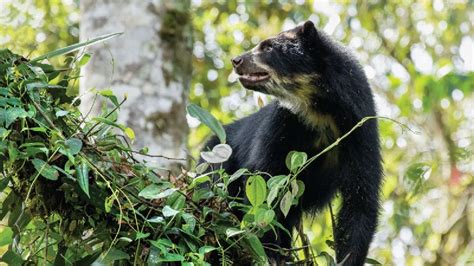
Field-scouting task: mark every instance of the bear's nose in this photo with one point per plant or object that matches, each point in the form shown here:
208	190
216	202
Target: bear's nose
236	61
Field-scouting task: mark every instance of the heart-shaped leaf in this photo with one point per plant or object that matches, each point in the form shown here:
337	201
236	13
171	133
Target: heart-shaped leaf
45	169
74	145
219	154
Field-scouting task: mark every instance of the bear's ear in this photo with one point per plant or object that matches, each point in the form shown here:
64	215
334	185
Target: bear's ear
308	29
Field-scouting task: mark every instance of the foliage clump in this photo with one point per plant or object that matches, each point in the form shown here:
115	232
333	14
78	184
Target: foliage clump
74	193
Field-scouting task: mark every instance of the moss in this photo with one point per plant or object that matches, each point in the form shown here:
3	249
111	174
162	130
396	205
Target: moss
176	36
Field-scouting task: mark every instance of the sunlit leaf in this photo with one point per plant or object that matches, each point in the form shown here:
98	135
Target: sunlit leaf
219	154
75	47
6	236
256	190
84	60
168	211
154	191
230	232
130	133
207	119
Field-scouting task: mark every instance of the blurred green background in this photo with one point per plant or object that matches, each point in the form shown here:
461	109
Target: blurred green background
418	56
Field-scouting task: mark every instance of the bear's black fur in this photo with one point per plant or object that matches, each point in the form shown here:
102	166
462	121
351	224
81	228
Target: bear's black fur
321	93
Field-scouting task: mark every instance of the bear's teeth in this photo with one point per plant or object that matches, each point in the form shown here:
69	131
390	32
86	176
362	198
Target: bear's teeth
255	77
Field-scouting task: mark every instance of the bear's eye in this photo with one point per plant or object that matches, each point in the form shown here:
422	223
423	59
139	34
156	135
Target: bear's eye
266	46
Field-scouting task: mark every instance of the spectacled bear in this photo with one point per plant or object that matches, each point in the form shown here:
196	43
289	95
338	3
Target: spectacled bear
321	92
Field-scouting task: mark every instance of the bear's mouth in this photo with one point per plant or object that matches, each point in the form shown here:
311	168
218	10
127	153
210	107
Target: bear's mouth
252	78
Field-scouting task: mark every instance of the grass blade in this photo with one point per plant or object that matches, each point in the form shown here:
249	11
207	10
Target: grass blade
75	47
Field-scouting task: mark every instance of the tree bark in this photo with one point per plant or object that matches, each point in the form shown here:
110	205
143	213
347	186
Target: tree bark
150	62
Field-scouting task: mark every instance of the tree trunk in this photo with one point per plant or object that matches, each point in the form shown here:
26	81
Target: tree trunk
150	62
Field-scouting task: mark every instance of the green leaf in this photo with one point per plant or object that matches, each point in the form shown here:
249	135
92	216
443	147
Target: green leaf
176	201
168	257
33	148
168	211
154	191
150	191
236	175
257	248
125	239
207	119
264	217
162	244
328	259
110	95
156	219
45	170
372	261
272	195
288	159
301	188
206	249
294	187
10	115
114	254
4	183
201	194
256	190
415	176
141	235
75	47
199	180
297	160
130	133
277	181
190	221
201	168
286	202
61	113
108	122
84	60
42	85
6	236
230	232
11	258
219	154
74	145
83	177
109	201
4	133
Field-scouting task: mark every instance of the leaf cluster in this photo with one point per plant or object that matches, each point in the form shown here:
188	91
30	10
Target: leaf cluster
74	193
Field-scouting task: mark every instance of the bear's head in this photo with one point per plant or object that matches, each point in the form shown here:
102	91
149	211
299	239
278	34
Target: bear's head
286	66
